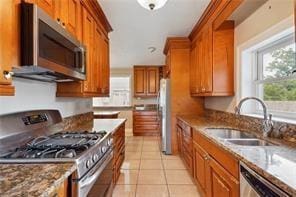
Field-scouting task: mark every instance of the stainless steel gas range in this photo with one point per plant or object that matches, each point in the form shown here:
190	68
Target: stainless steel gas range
32	137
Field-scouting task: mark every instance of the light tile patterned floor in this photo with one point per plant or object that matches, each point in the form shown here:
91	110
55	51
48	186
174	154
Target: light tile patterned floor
147	172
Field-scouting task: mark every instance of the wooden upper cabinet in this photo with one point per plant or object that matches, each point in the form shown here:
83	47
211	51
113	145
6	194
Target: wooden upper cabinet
88	25
140	81
94	36
146	81
7	20
152	81
219	182
48	6
105	68
67	13
212	56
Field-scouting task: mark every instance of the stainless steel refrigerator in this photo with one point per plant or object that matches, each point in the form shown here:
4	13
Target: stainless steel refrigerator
165	115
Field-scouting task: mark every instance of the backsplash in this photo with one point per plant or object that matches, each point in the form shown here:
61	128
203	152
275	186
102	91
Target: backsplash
285	131
74	122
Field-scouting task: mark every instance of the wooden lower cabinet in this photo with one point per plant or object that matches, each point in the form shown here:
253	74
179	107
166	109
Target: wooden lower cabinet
118	151
200	159
219	182
214	170
146	123
184	141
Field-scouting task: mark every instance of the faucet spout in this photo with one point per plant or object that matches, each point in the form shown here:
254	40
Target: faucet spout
268	124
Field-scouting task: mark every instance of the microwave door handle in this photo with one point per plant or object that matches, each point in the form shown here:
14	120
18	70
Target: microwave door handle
83	54
89	181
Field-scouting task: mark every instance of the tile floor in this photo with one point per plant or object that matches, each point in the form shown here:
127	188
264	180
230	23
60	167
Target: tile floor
147	172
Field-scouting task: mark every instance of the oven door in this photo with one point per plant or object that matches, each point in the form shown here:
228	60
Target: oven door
98	181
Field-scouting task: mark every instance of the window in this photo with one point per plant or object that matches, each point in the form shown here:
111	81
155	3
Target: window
275	77
120	93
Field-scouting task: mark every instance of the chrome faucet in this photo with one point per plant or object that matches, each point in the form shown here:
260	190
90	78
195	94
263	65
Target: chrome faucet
267	124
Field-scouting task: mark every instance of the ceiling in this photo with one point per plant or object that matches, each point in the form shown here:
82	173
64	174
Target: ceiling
135	29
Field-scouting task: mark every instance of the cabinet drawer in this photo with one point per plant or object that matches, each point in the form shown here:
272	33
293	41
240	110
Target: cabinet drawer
188	160
147	127
186	129
146	118
187	143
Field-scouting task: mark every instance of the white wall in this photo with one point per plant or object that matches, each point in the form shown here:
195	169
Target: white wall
263	19
31	95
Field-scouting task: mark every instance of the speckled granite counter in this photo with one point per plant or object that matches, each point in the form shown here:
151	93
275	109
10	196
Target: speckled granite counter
45	179
275	163
33	179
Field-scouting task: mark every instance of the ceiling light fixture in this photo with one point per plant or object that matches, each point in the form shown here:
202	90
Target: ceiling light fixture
152	4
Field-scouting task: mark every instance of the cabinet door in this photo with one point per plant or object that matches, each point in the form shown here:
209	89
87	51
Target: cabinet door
179	139
199	159
105	71
97	60
72	17
87	38
219	182
8	24
152	74
48	6
207	84
139	81
193	70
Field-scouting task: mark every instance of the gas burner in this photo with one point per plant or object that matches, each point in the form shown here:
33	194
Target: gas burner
59	145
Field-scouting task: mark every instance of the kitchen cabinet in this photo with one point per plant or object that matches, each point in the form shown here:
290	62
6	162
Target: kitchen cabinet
145	123
48	6
146	81
67	13
200	163
215	170
118	151
219	181
212	61
7	20
212	51
95	38
185	146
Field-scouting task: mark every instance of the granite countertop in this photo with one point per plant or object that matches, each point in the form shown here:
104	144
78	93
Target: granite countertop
44	179
106	112
145	107
276	163
33	179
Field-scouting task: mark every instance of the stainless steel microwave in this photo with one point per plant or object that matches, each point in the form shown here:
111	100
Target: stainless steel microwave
48	51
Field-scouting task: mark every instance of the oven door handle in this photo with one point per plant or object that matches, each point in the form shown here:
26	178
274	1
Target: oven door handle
89	180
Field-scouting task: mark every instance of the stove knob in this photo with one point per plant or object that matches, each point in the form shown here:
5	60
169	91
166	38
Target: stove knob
88	162
95	158
103	149
109	142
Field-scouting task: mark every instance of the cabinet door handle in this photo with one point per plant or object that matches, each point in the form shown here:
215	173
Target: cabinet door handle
58	20
7	74
64	25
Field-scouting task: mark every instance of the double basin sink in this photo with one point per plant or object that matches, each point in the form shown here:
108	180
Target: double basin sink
237	137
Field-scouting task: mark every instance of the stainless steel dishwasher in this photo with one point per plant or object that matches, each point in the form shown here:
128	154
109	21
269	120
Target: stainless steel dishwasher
253	185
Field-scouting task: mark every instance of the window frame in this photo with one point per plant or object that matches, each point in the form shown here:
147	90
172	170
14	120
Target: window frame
258	77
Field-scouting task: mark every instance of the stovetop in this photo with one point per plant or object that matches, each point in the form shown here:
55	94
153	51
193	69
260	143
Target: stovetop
59	145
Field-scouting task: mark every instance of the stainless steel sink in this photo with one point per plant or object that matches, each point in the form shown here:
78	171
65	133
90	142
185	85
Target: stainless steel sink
238	137
226	133
250	142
